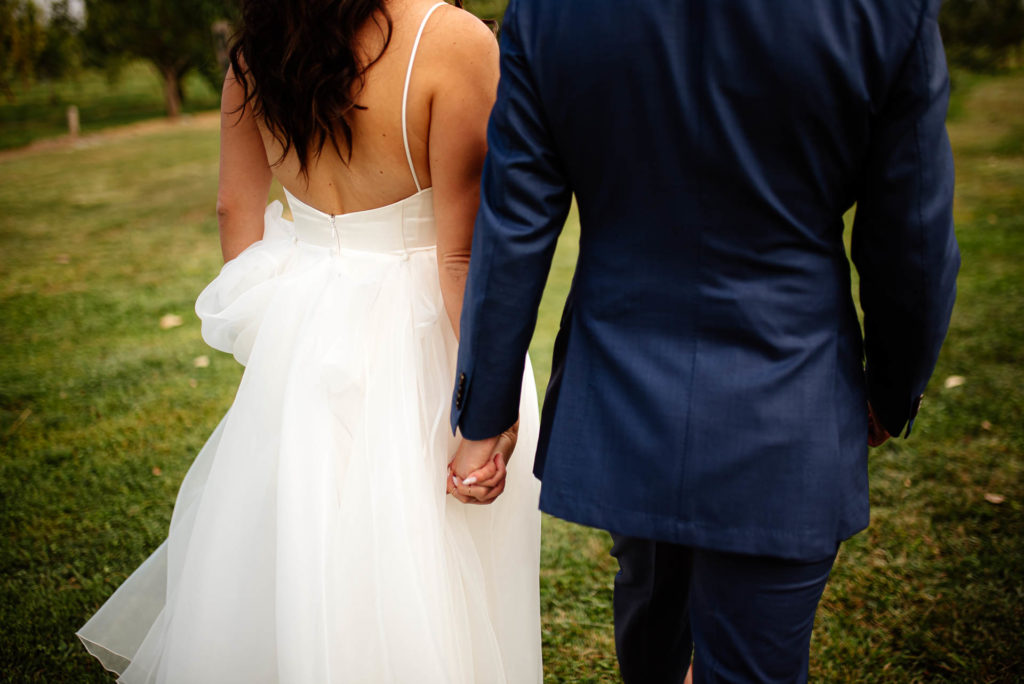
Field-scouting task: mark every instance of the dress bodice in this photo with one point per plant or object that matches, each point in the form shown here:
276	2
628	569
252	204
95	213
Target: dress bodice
398	228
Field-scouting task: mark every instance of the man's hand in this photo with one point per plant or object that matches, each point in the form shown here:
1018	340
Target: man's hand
877	435
477	473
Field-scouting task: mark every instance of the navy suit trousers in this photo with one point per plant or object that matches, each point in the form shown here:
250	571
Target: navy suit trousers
743	618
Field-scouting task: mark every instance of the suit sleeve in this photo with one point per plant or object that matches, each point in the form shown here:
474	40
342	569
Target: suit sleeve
904	247
524	200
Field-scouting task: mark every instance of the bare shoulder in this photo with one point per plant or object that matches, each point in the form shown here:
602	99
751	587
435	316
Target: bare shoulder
466	27
232	94
460	40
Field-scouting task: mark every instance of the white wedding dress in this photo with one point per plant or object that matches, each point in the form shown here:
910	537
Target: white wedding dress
312	541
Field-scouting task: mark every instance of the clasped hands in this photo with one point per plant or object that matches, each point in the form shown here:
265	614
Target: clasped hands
476	475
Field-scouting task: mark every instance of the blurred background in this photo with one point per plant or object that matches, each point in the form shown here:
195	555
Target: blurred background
123	60
108	172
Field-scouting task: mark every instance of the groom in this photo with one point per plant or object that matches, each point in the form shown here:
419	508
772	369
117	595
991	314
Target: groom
710	387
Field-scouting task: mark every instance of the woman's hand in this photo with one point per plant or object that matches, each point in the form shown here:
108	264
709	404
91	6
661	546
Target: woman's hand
477	473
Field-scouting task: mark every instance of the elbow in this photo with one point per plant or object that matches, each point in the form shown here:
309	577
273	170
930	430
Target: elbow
225	210
234	215
454	265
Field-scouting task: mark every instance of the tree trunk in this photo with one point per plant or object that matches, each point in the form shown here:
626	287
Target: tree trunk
172	91
181	85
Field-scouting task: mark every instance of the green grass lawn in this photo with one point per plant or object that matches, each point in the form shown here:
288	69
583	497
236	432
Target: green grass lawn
40	110
102	410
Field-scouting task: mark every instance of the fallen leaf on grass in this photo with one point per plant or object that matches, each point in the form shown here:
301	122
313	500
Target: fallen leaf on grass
157	471
168	321
192	382
63	258
201	361
985	425
994	498
955	381
19	421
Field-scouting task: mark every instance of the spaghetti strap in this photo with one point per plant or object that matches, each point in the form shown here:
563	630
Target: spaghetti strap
405	94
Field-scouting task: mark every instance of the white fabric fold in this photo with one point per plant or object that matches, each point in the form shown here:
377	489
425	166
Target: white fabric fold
312	540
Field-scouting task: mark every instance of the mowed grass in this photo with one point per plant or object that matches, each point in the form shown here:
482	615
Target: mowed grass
932	590
102	411
39	110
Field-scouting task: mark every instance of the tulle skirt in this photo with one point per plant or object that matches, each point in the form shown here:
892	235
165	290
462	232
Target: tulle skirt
312	541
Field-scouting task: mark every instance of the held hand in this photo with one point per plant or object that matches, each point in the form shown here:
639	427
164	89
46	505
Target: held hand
476	491
877	434
477	473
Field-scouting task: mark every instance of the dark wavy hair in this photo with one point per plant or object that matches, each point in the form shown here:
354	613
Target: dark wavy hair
298	67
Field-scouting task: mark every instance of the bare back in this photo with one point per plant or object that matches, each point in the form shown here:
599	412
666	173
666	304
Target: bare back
452	87
377	173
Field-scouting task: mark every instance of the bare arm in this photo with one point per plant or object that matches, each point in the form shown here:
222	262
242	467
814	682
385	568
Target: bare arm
460	108
461	105
244	173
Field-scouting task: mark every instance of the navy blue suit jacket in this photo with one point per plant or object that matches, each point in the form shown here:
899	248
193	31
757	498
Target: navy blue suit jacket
710	380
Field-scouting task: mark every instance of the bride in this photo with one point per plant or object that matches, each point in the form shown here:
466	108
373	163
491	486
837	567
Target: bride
312	540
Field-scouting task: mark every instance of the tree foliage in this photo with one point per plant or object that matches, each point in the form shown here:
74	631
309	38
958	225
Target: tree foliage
34	44
21	41
176	36
979	34
982	34
486	9
61	54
